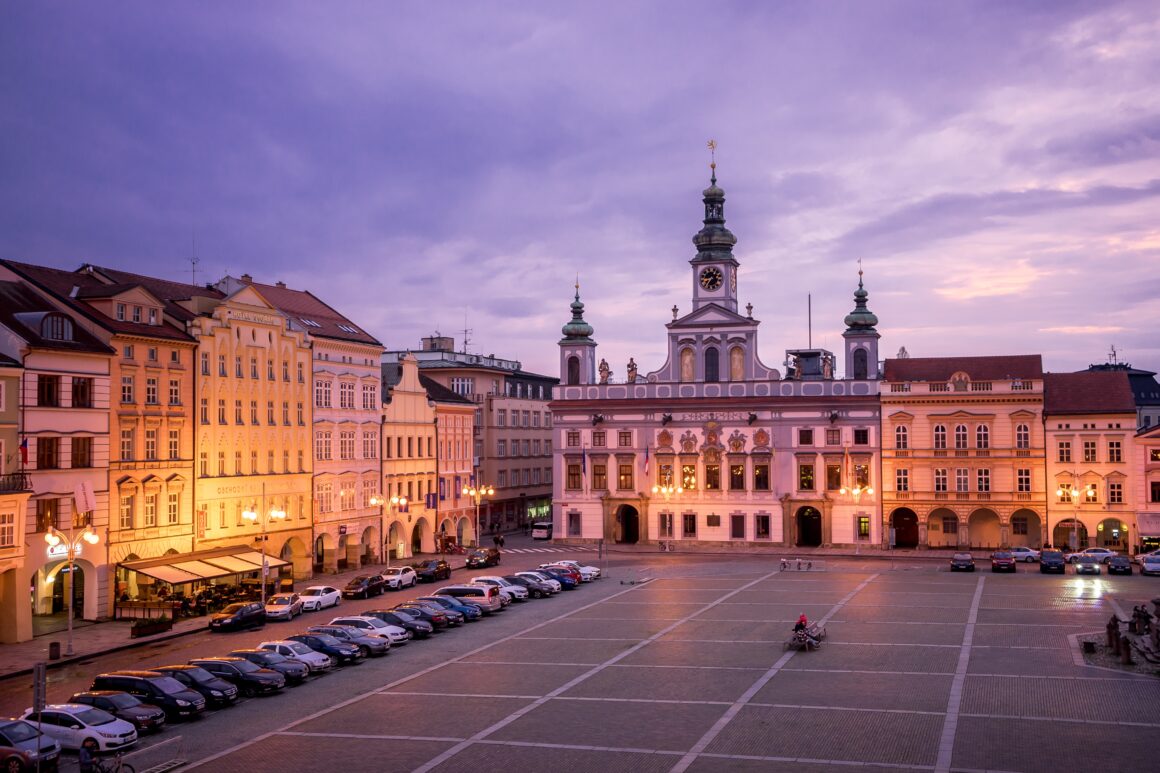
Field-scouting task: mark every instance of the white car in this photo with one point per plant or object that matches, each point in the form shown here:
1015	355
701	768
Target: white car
316	661
283	606
584	569
516	592
399	577
1150	565
1103	555
1139	559
540	576
320	597
1027	555
74	723
372	626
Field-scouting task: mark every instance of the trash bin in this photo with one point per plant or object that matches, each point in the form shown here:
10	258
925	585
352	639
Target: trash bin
54	650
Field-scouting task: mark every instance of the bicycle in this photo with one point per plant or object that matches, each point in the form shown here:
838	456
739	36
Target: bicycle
667	547
114	765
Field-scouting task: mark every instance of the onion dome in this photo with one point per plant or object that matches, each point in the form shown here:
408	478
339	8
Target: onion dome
577	330
861	319
714	241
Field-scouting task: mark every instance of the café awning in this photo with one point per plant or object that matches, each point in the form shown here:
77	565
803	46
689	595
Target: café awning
1148	524
204	565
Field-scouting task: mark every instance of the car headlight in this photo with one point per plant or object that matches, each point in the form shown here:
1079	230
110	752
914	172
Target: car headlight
180	702
216	693
103	734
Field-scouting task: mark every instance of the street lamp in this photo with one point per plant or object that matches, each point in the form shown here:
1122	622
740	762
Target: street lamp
73	547
271	514
396	503
1072	492
477	494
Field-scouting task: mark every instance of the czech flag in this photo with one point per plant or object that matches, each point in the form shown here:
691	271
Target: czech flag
24	451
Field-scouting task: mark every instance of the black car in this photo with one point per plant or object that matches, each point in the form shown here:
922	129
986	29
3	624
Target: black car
482	557
174	698
340	652
419	628
367	643
249	678
244	614
1052	561
363	587
962	562
1119	565
470	612
294	671
122	705
536	589
217	692
430	571
436	616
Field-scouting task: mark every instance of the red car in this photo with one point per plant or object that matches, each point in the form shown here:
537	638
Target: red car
1002	561
571	571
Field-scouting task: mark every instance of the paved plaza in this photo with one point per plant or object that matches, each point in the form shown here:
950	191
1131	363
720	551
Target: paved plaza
921	670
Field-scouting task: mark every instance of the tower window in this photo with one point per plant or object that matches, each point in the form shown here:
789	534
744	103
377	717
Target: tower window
573	370
712	364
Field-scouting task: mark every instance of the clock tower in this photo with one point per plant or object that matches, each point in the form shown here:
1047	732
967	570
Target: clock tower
714	267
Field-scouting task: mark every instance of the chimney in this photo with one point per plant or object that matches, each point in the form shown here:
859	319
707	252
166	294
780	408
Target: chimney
247	279
280	284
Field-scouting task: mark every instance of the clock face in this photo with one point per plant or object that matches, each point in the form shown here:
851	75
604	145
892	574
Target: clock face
711	278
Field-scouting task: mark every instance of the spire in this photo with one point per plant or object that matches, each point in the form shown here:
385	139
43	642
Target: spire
861	319
577	330
714	241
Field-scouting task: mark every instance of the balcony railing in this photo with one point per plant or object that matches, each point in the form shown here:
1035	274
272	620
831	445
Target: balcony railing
15	481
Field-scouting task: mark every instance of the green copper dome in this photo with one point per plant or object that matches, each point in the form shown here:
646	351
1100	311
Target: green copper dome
861	319
577	329
714	241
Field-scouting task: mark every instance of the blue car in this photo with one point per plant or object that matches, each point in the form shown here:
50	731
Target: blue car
565	579
470	612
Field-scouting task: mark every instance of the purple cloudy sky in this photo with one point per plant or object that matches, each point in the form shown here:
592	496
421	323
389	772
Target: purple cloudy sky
995	165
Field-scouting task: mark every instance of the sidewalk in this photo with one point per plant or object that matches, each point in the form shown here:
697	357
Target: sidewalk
93	639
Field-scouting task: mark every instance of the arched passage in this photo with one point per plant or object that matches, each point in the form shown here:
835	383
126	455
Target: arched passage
370	543
1112	533
1070	534
1026	529
422	537
294	551
627	525
396	536
983	529
324	557
809	527
904	522
942	529
342	553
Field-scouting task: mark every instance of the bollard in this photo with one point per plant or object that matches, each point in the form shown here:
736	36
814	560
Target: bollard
54	650
1115	644
1113	631
1125	651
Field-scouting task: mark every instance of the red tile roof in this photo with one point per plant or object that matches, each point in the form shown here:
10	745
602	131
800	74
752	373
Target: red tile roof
1087	392
170	292
978	368
305	308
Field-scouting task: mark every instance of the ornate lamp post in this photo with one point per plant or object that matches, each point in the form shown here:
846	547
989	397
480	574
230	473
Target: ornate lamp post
269	515
477	493
73	548
395	504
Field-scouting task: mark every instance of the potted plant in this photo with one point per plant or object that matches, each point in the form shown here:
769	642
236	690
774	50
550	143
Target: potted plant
150	626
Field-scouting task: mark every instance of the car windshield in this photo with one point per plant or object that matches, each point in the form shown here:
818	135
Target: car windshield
1088	560
1051	554
962	556
199	675
16	732
232	608
298	648
1001	555
169	685
327	639
314	592
93	717
123	700
245	666
372	622
279	601
268	658
393	572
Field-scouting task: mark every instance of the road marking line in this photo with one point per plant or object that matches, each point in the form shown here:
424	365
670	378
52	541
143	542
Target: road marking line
946	746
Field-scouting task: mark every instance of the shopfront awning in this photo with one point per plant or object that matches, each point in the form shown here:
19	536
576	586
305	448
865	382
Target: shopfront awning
1148	524
205	565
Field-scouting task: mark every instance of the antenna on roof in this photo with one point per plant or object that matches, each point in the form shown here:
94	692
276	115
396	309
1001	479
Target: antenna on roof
193	259
1113	355
810	320
466	332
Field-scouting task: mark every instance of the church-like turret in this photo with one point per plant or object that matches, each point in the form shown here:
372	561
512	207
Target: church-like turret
861	337
577	349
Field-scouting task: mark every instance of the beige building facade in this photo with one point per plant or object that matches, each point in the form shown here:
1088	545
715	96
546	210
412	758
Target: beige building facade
15	490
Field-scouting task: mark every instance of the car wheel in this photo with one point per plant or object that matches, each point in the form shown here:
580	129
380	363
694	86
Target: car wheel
13	765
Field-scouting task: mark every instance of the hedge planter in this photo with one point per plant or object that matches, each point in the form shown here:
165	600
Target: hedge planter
150	627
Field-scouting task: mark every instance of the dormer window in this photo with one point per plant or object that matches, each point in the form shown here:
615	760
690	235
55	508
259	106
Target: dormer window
57	327
136	313
152	316
121	312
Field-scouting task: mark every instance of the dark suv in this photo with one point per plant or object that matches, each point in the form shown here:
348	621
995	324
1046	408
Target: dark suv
244	614
122	705
217	692
363	587
1051	561
482	557
174	698
249	678
430	571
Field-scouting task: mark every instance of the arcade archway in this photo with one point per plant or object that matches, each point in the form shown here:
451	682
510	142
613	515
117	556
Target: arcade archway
983	529
1069	534
904	522
627	525
809	527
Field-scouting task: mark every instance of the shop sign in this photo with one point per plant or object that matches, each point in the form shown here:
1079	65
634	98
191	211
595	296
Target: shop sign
60	550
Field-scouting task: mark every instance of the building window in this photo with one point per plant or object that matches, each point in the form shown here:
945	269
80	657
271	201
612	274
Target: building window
1154	490
665	525
203	411
127	352
573	439
270	419
121	312
325	497
1023	480
573	524
151	354
950	524
901	438
203	464
174	508
151	397
833	437
861	437
501	482
574	480
1115	451
301	376
286	371
174	392
624	439
322	442
805	476
737	477
127	389
501	448
221	411
285	413
7	530
624	477
82	452
940	437
689	477
902	480
689	525
940	479
962	480
805	437
1115	493
174	444
1064	448
664	475
345	395
47	453
761	527
47	514
960	436
761	477
737	527
982	436
1089	450
1022	436
136	313
501	418
600	477
150	510
254	412
370	443
712	477
599	439
125	516
82	392
151	445
346	445
127	444
221	463
321	393
833	477
221	365
238	412
863	527
1064	493
301	421
984	480
1090	494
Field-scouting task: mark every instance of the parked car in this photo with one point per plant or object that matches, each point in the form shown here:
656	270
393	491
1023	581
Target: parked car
369	645
1087	564
14	760
470	611
320	597
1150	565
296	651
1100	554
431	571
1139	558
537	589
1024	554
363	586
33	745
399	577
542	577
436	616
962	562
1051	561
1119	565
571	571
294	671
483	557
1002	561
587	572
122	705
243	614
216	691
249	678
510	589
420	629
569	580
397	635
174	698
75	723
341	652
486	597
283	606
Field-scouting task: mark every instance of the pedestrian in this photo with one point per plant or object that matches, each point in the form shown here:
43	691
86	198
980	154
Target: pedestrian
88	755
501	542
495	540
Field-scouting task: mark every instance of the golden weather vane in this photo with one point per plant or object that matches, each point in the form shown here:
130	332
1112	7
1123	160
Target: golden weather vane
713	154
